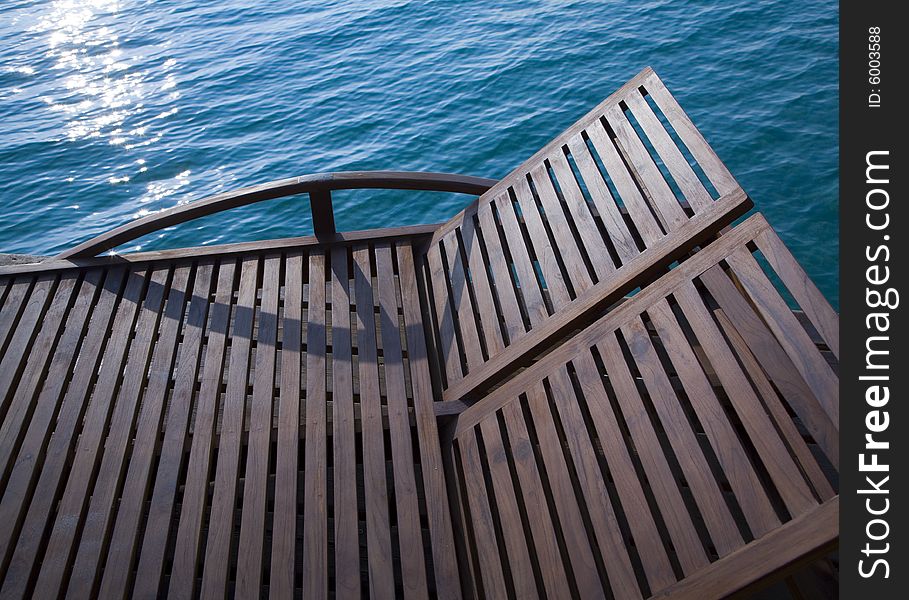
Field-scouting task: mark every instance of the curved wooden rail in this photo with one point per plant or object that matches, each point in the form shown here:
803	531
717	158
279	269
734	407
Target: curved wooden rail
319	187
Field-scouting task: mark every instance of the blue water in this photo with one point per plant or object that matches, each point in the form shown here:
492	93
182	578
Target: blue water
112	110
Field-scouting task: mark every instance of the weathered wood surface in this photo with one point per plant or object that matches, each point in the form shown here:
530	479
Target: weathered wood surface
659	441
262	418
623	192
256	424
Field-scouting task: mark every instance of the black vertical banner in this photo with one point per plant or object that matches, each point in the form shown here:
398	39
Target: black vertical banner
874	421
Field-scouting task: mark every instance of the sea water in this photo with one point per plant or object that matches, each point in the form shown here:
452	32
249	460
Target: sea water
111	110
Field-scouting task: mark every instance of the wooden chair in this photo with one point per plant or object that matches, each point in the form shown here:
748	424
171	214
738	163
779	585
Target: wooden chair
470	408
684	445
596	213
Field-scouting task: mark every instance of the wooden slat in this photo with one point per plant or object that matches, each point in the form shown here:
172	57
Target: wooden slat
224	500
20	342
719	521
125	536
35	456
797	542
675	514
517	554
542	528
576	541
653	183
189	533
694	191
60	547
470	575
730	454
564	244
527	279
810	299
587	229
479	278
284	525
709	162
255	488
34	368
378	531
780	416
344	458
481	518
98	519
774	361
780	466
790	334
501	274
640	521
413	569
451	355
17	297
460	295
590	481
437	506
315	506
607	206
631	196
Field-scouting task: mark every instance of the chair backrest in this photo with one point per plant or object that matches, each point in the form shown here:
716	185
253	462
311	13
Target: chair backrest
627	189
684	442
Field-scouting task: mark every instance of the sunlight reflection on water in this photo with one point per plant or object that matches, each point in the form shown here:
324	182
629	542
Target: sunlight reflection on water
112	110
102	91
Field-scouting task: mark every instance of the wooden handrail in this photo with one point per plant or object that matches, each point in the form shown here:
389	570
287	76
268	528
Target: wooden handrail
319	187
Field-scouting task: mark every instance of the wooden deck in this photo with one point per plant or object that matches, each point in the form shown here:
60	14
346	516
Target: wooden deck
586	384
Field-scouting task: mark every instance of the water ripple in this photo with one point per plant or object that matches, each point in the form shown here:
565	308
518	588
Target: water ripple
116	109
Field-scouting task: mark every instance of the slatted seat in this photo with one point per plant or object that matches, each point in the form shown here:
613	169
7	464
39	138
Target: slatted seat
683	445
285	393
431	411
629	187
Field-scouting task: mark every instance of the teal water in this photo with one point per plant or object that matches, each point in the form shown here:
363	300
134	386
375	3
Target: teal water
112	110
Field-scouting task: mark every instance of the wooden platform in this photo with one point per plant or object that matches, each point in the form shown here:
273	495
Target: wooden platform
586	384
